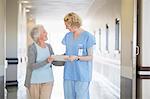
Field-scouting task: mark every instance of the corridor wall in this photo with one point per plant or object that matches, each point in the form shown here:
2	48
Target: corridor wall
2	46
11	41
101	14
2	36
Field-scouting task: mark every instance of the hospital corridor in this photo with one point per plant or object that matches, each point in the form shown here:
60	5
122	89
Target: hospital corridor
120	31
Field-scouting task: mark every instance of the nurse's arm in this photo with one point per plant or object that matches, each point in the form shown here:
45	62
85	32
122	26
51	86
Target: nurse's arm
88	57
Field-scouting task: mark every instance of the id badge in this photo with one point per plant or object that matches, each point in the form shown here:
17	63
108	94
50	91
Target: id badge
80	49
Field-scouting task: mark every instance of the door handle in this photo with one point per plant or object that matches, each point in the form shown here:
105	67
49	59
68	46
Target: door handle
137	50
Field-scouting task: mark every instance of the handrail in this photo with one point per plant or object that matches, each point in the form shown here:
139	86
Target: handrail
12	61
143	72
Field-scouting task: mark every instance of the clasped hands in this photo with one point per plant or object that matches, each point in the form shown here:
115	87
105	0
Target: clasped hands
71	58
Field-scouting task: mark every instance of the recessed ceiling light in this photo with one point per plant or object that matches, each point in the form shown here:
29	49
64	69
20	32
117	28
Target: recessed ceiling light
28	6
27	10
24	1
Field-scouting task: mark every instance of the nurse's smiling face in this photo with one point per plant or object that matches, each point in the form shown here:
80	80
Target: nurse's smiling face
70	28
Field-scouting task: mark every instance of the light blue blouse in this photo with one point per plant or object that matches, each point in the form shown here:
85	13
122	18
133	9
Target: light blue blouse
78	70
43	74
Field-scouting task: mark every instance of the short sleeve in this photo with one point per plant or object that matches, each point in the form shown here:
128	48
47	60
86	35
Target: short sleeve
90	41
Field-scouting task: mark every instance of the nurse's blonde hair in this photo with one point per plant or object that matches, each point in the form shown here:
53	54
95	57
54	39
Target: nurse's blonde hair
72	19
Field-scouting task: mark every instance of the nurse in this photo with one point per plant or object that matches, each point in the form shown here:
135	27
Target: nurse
79	54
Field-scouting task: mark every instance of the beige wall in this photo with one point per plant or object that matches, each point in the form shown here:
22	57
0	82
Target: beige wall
11	37
126	37
2	36
11	28
30	25
128	51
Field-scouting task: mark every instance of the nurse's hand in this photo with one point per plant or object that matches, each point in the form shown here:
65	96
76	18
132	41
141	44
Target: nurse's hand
66	57
73	58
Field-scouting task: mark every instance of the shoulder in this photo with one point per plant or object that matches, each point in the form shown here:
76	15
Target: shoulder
32	49
50	48
88	34
90	37
32	46
49	45
68	34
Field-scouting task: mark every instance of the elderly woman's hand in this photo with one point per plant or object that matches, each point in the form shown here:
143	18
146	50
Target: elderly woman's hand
50	59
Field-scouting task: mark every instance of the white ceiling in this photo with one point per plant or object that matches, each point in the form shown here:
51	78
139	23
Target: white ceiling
58	8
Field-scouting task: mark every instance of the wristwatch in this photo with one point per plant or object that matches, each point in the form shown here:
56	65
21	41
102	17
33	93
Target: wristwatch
78	58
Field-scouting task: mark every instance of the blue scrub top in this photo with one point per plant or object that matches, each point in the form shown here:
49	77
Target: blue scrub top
78	70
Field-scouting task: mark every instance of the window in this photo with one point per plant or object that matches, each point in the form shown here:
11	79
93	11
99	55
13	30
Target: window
117	34
107	33
99	33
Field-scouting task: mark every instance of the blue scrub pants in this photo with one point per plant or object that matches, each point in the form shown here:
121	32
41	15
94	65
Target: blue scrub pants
76	89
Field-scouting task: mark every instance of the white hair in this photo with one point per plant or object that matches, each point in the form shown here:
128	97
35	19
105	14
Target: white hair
35	32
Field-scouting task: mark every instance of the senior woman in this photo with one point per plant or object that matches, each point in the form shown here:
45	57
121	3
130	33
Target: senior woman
78	67
39	75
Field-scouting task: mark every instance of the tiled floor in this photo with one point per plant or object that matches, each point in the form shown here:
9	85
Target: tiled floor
97	89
